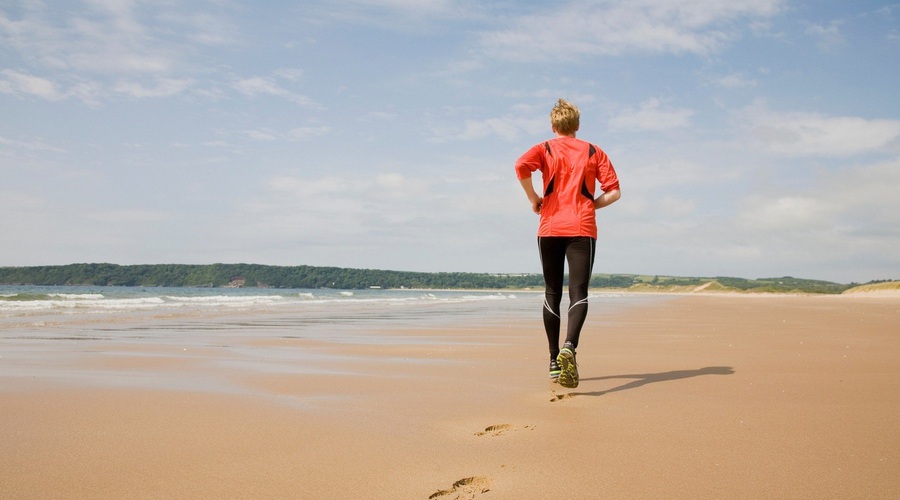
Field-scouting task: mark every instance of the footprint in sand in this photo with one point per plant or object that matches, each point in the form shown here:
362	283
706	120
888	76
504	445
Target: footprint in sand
560	397
466	488
495	430
500	429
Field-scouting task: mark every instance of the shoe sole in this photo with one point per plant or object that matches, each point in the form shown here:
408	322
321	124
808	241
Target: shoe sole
568	375
554	375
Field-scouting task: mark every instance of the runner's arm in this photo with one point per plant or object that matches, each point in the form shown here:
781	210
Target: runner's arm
607	198
533	197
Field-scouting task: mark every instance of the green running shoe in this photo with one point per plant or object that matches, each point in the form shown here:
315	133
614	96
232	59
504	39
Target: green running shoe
568	376
554	370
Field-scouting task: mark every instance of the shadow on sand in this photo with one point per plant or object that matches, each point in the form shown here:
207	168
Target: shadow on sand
650	378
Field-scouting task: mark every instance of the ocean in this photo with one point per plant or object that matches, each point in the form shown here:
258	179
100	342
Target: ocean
25	306
103	335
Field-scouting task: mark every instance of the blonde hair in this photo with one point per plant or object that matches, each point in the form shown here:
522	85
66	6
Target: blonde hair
564	118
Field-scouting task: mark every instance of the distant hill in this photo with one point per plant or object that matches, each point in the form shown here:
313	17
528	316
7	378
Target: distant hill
252	275
256	275
889	288
785	284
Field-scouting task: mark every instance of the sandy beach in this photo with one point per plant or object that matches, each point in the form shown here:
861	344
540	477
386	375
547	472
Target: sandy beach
695	396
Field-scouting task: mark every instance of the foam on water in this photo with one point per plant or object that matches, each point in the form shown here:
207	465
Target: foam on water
20	300
43	308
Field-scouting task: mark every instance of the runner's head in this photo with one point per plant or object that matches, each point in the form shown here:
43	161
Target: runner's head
564	118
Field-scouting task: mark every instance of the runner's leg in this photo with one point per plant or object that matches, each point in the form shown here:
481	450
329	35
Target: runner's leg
553	259
580	255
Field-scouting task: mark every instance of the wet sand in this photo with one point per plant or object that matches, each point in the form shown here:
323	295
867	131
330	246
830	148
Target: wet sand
690	397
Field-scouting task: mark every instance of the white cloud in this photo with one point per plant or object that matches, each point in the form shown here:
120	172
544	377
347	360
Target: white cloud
397	186
735	80
412	6
94	49
869	193
379	116
345	190
304	133
258	85
672	206
827	36
31	144
402	15
294	134
304	186
507	127
333	209
843	215
341	217
816	134
653	116
294	75
102	37
578	29
261	135
786	213
15	82
165	87
210	28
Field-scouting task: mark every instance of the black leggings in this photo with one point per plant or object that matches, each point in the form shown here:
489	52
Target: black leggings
555	251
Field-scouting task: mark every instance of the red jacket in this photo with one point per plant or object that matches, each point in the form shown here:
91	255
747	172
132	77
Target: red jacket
570	169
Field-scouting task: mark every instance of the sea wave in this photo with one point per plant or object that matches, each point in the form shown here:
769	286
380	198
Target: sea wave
35	300
225	299
77	296
75	306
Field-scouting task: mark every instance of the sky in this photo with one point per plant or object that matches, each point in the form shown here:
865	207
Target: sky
752	138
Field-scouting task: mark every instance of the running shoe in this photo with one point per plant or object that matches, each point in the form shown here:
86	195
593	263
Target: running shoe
554	370
568	376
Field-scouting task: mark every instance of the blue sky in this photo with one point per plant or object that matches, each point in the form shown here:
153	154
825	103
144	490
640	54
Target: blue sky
752	138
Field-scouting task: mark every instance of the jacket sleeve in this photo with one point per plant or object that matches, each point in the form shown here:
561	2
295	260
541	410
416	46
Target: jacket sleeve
606	174
532	160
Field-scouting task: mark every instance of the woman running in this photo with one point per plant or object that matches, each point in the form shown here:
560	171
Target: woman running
570	169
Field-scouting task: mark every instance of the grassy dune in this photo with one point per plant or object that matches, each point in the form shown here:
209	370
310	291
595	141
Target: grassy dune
888	287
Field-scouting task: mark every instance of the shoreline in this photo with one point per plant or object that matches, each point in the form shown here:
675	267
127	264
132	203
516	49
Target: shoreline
893	291
701	396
